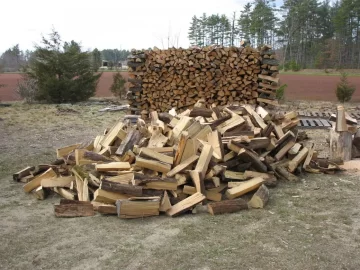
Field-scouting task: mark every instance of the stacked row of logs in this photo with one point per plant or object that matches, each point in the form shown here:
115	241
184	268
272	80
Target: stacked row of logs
268	79
177	163
177	78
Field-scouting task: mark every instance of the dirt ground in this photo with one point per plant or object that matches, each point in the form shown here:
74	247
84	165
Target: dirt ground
313	224
308	86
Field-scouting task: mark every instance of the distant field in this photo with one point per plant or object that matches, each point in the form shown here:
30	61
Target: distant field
303	85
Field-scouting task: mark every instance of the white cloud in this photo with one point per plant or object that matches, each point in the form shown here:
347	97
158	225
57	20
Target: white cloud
107	23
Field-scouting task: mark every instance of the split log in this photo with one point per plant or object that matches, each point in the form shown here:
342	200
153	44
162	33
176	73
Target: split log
185	204
260	198
244	188
136	191
228	206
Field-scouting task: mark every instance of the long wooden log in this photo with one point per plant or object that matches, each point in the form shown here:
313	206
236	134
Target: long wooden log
228	206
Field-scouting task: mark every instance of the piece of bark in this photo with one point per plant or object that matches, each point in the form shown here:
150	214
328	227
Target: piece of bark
197	111
165	117
286	174
228	206
260	198
136	191
24	172
74	210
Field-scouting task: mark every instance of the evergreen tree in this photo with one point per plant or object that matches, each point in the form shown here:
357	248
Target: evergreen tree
96	59
63	72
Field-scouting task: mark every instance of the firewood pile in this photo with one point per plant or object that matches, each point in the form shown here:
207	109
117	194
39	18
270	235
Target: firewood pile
344	136
225	158
176	78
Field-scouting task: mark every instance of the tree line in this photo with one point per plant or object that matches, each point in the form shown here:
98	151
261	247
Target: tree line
306	33
14	59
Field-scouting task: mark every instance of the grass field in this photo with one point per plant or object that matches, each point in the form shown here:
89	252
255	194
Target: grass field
313	224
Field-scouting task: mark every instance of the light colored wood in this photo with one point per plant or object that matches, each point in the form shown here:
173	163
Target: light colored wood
183	123
191	148
210	195
300	157
180	148
122	179
165	203
65	193
36	182
295	149
263	113
182	166
40	193
340	119
204	160
138	207
64	151
185	204
214	140
113	166
106	209
340	145
157	140
108	197
202	135
233	122
244	188
284	149
153	165
309	156
229	156
260	198
111	136
149	153
57	181
234	175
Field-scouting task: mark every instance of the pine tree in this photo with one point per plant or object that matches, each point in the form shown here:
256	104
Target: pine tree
344	89
96	59
62	71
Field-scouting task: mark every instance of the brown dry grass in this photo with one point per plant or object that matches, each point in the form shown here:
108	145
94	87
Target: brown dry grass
313	224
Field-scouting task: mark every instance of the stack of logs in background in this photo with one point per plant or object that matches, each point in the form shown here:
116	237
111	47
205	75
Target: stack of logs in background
176	78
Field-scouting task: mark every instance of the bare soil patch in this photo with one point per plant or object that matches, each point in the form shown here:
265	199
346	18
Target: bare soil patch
300	86
313	224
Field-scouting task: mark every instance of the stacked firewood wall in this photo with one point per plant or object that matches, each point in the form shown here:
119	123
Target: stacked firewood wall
176	78
268	79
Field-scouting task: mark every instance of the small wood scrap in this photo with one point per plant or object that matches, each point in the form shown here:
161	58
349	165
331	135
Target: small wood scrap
224	157
115	108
